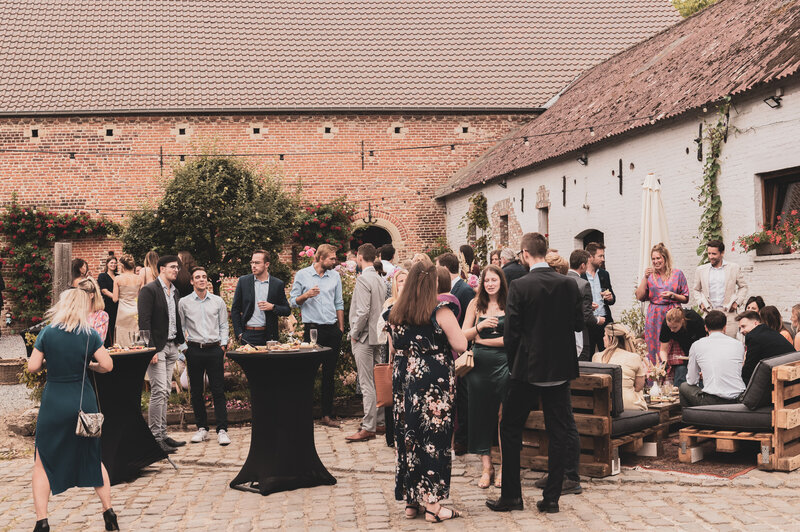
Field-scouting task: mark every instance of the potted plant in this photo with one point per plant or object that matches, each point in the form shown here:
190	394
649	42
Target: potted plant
781	239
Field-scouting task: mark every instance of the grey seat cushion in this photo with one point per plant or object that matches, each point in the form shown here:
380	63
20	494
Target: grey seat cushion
735	416
588	368
759	390
633	421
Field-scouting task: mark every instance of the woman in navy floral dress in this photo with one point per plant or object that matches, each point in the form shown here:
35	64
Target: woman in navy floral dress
423	332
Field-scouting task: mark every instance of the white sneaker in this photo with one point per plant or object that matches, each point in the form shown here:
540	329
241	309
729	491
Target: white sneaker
222	438
200	436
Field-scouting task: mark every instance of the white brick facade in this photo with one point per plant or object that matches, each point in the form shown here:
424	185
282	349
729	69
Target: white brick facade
760	140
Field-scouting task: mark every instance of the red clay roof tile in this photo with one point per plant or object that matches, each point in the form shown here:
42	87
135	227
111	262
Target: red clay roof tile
307	54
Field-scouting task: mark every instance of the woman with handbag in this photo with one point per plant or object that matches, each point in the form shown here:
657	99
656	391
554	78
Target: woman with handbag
422	333
62	458
488	380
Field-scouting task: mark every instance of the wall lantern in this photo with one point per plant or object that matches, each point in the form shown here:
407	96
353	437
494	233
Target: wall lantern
583	159
773	101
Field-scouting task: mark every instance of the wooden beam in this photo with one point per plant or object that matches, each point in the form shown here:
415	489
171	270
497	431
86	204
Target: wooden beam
62	268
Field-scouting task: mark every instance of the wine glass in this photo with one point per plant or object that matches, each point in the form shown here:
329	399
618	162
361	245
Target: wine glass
144	337
313	336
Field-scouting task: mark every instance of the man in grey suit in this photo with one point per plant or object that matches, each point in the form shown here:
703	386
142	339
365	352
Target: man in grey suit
577	267
366	306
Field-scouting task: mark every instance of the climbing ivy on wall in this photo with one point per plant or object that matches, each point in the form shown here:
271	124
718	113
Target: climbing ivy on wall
477	217
710	227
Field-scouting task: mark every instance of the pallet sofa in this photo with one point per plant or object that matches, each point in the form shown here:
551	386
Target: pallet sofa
604	426
769	413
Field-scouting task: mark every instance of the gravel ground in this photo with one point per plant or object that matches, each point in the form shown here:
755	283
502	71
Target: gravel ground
13	398
11	346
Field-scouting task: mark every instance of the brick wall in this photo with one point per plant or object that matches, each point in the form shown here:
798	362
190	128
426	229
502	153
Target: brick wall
399	184
760	140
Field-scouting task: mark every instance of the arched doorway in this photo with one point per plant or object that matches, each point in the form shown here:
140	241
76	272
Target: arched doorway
370	234
587	236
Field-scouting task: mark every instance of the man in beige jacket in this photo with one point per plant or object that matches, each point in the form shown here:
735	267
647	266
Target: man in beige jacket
366	307
720	285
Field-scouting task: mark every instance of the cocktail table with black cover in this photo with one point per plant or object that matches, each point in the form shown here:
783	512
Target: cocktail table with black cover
127	443
282	453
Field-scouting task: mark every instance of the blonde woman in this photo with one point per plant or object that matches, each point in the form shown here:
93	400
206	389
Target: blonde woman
98	317
664	287
621	351
150	270
126	292
62	459
796	326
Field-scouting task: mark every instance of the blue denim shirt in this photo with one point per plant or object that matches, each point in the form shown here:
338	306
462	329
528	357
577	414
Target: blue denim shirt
322	308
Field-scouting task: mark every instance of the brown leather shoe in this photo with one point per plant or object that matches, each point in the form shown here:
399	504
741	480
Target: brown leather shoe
361	435
328	422
380	429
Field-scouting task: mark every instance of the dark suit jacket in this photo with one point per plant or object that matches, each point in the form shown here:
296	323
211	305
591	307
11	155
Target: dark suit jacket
514	270
543	312
605	284
244	304
762	342
153	317
589	319
465	294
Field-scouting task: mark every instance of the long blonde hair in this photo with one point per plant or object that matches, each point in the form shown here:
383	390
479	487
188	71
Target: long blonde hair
97	300
662	250
621	338
71	313
151	263
396	289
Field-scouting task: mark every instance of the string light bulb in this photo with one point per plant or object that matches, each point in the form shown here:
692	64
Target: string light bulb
591	131
525	141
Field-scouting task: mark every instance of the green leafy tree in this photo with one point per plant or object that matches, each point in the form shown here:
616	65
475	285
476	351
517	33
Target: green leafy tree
218	209
688	8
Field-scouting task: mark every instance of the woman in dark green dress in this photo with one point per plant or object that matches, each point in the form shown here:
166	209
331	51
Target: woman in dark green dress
488	380
63	459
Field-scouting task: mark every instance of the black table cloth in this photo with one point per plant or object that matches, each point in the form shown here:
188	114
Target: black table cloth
126	441
282	454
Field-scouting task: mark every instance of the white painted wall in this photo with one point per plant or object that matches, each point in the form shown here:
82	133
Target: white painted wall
760	140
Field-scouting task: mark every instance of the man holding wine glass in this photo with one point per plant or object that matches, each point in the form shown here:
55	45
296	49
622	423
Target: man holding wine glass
258	302
317	291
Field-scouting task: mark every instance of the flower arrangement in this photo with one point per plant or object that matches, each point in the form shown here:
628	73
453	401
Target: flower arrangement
785	234
472	281
657	372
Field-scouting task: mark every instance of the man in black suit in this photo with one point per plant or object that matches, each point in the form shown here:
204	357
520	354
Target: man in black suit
465	294
578	260
257	302
761	342
158	313
602	294
544	310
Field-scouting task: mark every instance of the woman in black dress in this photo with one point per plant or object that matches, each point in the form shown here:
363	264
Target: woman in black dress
106	282
423	332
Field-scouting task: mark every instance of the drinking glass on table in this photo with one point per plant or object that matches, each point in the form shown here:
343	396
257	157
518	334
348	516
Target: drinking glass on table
312	335
144	337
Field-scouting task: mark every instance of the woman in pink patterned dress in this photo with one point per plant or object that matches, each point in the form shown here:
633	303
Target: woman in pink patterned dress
664	287
98	318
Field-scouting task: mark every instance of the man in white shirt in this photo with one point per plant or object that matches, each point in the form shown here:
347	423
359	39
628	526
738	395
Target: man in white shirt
386	253
720	285
719	359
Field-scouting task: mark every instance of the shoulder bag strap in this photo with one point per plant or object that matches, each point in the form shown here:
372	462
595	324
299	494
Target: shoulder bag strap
83	380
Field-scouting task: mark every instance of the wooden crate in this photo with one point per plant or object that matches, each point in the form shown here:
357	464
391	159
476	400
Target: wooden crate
779	449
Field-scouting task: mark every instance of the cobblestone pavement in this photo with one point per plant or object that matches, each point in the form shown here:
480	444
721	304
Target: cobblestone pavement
197	497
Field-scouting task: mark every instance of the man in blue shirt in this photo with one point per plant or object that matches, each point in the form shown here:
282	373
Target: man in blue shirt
317	291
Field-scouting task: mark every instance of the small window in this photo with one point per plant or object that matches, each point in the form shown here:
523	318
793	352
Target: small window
256	131
465	129
109	132
398	130
182	131
504	231
781	194
327	130
34	133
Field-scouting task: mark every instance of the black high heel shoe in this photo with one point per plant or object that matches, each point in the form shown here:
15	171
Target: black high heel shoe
111	519
42	526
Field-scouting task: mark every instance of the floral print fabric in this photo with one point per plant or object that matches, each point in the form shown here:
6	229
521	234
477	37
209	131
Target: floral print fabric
659	306
423	386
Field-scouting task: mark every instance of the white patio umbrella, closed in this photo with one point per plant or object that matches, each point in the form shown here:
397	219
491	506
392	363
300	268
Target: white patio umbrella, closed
654	221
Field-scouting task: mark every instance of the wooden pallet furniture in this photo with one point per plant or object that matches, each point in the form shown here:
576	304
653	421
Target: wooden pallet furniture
778	445
592	408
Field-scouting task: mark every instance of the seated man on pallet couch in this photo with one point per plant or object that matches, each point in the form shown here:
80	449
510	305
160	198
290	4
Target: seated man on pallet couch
719	359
